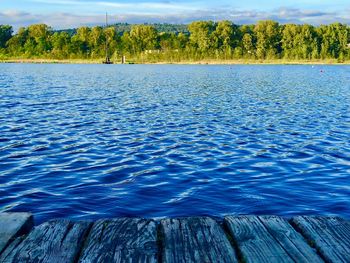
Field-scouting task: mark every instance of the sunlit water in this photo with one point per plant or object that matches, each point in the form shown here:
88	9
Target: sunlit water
95	141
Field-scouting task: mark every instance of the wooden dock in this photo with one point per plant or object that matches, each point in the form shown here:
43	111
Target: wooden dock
193	239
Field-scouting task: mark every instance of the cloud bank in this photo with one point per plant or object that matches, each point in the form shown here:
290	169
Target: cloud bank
68	20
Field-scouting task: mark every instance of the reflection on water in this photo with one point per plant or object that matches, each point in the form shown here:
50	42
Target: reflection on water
92	141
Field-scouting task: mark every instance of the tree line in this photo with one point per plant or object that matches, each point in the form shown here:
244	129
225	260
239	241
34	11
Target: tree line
224	40
126	27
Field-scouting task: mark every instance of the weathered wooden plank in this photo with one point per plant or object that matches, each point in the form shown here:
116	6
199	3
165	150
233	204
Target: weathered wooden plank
254	241
51	242
291	241
195	239
330	236
13	225
121	240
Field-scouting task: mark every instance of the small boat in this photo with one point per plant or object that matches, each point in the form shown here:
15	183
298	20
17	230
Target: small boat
108	59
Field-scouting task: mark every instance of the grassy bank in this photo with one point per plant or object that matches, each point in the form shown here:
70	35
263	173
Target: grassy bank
186	62
53	61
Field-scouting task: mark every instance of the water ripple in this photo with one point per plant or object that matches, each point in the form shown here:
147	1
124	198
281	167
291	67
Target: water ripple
90	141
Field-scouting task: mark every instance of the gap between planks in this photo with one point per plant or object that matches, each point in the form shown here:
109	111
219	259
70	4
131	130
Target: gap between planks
288	238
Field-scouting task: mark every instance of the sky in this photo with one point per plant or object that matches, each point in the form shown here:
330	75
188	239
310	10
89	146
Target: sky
61	14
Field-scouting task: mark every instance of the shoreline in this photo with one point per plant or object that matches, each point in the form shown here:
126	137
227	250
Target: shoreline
185	62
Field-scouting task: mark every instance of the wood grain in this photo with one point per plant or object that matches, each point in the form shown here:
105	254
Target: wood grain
291	241
51	242
330	236
13	225
268	239
195	239
121	240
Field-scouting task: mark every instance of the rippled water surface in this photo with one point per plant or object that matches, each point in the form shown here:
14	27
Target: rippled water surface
93	141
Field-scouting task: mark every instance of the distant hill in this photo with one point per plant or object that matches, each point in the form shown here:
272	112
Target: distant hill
125	27
168	28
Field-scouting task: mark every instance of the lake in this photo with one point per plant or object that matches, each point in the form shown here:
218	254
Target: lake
96	141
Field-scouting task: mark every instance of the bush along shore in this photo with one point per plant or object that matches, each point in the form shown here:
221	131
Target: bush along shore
205	42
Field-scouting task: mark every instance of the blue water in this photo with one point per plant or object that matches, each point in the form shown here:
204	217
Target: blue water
95	141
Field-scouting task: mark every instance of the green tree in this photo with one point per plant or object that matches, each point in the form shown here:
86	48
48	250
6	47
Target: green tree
201	35
334	40
308	42
223	35
268	39
111	38
247	40
248	45
299	42
61	45
80	42
97	42
167	41
5	35
181	41
143	37
289	34
125	44
38	41
17	42
198	40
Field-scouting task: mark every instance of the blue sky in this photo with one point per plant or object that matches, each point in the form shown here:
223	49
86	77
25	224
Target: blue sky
73	13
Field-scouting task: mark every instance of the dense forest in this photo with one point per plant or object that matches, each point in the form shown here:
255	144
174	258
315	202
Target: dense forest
201	40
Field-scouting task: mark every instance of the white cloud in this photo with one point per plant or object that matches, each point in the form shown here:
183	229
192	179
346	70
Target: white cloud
68	20
120	5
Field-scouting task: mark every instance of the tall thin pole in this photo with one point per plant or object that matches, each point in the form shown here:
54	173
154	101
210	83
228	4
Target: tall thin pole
106	44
